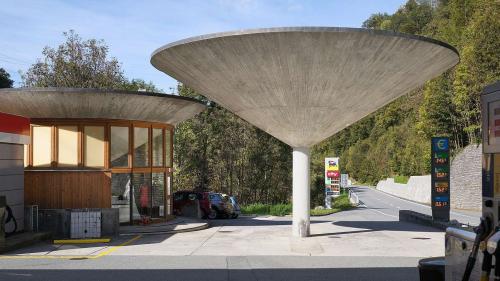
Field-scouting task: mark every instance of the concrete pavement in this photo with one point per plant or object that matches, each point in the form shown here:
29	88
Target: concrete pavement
367	243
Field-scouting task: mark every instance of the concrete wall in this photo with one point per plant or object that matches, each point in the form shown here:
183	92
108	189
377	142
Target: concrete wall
12	181
465	179
465	182
417	189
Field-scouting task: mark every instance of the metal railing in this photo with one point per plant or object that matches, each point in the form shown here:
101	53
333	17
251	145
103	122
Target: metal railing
353	197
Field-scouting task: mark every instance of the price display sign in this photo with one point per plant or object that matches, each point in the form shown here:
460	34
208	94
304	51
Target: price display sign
440	178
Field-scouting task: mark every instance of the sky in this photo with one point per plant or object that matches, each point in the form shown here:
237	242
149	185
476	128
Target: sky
134	29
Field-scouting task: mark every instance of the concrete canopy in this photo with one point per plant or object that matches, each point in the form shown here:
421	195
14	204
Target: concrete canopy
304	84
98	103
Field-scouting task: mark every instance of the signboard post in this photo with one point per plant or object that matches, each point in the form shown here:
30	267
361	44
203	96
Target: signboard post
440	178
332	180
344	178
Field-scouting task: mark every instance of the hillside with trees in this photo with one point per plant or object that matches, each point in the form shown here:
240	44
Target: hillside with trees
219	151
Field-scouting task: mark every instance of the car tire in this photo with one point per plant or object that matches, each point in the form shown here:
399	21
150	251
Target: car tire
234	216
212	215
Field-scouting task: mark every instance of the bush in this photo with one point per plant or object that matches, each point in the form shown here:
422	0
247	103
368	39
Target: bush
280	209
323	212
342	202
401	179
256	208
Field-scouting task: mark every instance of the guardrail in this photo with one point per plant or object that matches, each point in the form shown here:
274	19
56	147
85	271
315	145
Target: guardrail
353	197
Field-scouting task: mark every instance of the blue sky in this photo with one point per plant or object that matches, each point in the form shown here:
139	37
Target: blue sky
134	29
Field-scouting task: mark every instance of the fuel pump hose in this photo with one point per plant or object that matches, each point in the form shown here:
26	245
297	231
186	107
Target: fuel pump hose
482	231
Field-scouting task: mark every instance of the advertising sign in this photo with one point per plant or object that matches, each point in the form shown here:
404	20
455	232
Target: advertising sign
440	178
332	180
332	170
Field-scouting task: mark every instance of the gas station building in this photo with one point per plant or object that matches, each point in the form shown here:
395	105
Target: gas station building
92	149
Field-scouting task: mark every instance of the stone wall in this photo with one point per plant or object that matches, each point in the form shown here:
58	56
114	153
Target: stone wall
465	182
465	179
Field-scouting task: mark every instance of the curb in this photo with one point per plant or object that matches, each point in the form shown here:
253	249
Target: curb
37	237
201	227
418	218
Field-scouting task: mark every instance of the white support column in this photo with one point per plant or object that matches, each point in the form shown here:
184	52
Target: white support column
301	191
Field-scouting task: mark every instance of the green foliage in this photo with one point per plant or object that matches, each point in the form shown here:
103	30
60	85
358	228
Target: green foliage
79	63
218	151
141	85
5	81
256	209
323	212
395	140
342	202
401	179
280	209
267	209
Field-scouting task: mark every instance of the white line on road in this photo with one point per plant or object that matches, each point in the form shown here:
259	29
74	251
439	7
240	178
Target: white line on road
419	204
377	211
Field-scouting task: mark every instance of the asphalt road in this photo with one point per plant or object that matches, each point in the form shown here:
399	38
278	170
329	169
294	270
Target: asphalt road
366	243
389	206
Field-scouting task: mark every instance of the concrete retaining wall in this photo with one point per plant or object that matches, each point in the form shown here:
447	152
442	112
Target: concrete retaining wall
465	182
417	189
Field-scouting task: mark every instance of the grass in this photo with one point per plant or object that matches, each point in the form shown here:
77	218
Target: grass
340	203
401	179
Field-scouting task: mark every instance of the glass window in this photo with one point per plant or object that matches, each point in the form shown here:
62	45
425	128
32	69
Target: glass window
157	147
42	146
94	146
141	147
168	147
67	146
119	146
141	202
26	155
120	195
158	195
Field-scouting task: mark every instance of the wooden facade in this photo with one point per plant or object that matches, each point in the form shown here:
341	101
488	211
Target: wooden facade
67	189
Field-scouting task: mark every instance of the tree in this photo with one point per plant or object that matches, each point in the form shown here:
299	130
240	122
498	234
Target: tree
76	63
5	81
141	85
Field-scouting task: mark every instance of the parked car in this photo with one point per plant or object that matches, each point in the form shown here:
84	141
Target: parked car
236	207
219	206
182	199
232	208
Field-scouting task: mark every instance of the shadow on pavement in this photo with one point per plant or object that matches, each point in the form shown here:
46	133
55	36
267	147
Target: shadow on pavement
256	222
289	274
368	226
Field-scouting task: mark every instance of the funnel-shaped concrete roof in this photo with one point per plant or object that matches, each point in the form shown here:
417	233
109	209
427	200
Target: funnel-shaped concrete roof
98	103
304	84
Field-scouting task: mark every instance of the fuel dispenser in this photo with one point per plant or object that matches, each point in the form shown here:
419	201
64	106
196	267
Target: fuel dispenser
476	256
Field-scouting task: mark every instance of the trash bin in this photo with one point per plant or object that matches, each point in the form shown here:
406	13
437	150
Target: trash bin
431	269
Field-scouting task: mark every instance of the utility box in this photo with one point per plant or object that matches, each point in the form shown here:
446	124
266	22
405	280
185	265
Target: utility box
85	224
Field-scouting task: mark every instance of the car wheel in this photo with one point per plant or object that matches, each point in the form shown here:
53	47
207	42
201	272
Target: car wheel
234	216
213	214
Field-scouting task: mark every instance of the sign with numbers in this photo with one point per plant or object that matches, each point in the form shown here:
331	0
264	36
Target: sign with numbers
440	178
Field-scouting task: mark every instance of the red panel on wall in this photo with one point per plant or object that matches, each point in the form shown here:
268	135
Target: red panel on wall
13	124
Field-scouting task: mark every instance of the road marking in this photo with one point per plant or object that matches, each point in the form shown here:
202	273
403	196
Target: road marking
377	211
105	253
114	248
